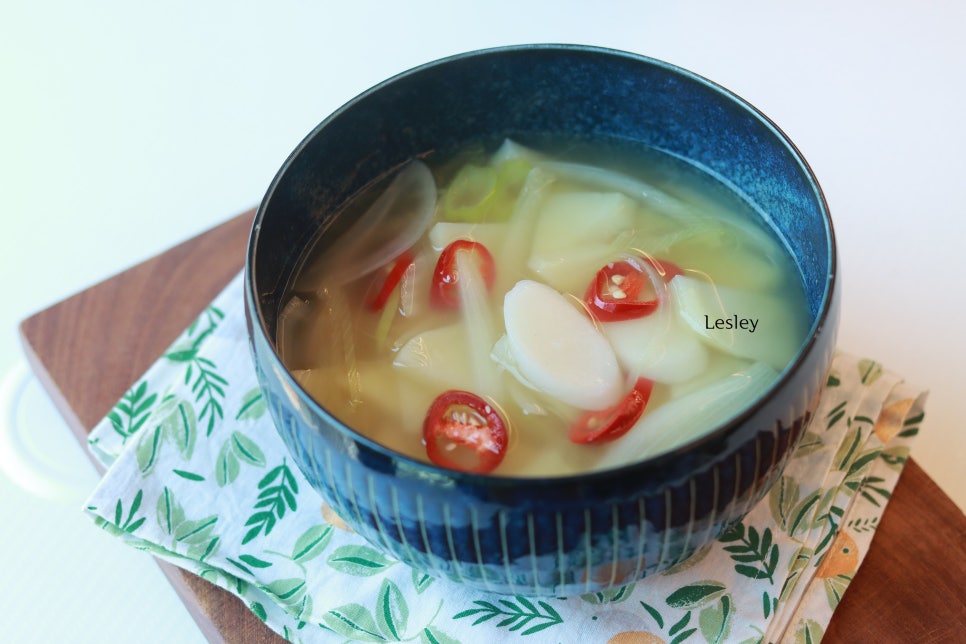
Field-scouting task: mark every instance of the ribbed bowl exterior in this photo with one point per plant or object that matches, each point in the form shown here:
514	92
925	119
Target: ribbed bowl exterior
568	535
522	537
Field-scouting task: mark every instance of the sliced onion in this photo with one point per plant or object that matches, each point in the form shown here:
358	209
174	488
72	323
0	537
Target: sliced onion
290	318
514	251
479	323
393	224
615	181
689	417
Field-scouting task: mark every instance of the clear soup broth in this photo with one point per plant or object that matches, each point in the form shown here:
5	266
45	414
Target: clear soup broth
524	313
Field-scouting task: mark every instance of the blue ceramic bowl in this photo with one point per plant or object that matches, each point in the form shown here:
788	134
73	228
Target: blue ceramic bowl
563	535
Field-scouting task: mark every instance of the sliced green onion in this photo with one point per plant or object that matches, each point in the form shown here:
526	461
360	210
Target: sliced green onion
470	194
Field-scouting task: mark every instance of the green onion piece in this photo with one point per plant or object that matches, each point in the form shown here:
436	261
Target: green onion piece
483	193
510	177
469	194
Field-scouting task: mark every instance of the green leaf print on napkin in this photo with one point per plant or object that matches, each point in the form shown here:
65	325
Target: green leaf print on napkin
132	410
194	535
206	383
869	371
308	546
810	443
392	612
205	324
835	415
195	428
359	561
176	423
355	622
868	486
697	594
181	426
291	594
421	581
515	614
210	387
679	631
715	621
272	501
750	547
311	543
148	450
130	523
715	607
611	596
237	449
253	406
388	621
809	631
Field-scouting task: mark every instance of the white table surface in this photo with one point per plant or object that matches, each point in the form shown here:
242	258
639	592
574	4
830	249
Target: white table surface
127	129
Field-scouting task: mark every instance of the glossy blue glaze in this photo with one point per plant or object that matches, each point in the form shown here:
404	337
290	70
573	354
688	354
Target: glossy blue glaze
565	535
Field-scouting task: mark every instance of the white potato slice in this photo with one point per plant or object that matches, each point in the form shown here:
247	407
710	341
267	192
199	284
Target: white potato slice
576	234
558	349
658	346
438	357
762	327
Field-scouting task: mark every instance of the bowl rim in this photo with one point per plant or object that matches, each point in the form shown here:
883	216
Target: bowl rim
824	314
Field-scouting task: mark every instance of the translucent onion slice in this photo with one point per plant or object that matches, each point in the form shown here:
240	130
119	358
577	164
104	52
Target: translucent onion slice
689	417
610	180
393	224
290	318
480	326
444	233
513	252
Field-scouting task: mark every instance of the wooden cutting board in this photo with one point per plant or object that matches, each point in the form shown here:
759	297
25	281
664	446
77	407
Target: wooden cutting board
90	348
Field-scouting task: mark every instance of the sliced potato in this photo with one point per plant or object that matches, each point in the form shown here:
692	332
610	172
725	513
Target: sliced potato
752	325
558	349
576	234
658	346
438	357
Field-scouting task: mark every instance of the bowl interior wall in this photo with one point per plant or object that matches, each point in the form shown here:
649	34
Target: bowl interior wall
530	95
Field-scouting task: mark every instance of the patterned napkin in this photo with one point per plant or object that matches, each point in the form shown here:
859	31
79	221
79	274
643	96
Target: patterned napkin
198	477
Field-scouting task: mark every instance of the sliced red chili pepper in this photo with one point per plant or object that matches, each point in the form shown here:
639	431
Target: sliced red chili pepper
444	291
464	432
392	280
610	424
622	290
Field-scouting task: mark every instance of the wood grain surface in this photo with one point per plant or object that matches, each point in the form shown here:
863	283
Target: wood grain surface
88	349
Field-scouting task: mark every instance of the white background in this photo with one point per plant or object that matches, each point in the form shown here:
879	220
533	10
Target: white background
126	129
